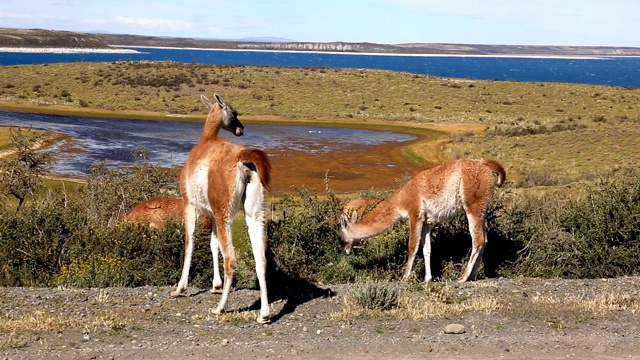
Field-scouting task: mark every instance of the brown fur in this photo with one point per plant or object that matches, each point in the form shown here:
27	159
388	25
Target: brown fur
260	161
156	211
360	206
434	195
218	178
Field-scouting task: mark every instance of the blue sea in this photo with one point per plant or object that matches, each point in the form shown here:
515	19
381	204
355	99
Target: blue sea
613	71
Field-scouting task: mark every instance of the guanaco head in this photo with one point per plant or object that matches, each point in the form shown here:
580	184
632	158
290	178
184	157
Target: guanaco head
229	116
345	237
353	209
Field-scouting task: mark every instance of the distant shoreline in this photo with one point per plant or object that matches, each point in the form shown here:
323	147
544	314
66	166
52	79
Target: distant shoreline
54	50
524	56
126	49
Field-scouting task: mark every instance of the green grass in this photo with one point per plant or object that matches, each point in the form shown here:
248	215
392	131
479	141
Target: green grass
569	131
312	93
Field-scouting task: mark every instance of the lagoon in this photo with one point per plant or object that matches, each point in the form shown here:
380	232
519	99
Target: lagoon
167	143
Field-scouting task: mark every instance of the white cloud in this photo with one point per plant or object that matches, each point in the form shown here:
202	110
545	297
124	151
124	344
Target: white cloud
151	22
18	16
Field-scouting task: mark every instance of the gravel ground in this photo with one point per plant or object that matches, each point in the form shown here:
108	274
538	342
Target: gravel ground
528	319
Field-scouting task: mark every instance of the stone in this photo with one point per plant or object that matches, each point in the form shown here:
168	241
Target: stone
454	329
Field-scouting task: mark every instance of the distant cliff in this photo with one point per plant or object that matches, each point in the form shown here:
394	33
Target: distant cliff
444	49
51	38
415	48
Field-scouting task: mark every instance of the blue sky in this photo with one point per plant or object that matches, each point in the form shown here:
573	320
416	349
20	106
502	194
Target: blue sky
510	22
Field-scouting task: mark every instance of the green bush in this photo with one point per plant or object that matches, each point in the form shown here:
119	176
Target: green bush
37	241
72	239
111	192
303	240
593	237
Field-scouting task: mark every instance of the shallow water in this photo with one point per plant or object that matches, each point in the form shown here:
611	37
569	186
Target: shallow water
167	143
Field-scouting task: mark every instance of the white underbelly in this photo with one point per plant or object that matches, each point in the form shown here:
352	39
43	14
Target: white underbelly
197	186
445	205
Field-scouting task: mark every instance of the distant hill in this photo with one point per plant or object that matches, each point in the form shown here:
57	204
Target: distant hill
52	38
415	48
48	38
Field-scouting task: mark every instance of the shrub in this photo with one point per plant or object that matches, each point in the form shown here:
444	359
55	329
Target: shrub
20	173
37	241
70	239
303	242
95	271
374	295
593	237
109	193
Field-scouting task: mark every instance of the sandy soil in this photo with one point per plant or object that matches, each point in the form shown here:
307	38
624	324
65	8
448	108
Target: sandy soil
531	319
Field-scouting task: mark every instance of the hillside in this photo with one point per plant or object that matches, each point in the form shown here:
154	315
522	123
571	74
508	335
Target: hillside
48	38
67	39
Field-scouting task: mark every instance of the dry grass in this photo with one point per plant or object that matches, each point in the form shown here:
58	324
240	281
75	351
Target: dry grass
40	320
418	308
312	93
5	133
601	304
435	301
566	156
444	301
4	138
233	317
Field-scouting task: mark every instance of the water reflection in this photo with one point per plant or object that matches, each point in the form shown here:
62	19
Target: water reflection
168	143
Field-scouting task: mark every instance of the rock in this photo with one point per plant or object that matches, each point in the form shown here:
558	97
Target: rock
454	329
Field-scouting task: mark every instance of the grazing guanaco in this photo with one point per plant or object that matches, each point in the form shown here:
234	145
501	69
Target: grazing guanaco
434	195
155	212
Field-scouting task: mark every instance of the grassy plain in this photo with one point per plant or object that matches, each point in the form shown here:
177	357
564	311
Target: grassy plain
544	133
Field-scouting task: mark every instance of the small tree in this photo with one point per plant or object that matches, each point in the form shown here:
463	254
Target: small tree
21	171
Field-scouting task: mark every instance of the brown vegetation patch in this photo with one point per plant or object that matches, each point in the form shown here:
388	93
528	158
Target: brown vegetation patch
348	170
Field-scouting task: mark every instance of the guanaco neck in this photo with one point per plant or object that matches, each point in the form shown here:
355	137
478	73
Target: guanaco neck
378	220
213	123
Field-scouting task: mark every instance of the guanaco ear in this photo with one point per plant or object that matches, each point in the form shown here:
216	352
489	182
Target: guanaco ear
344	222
219	100
354	216
206	101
